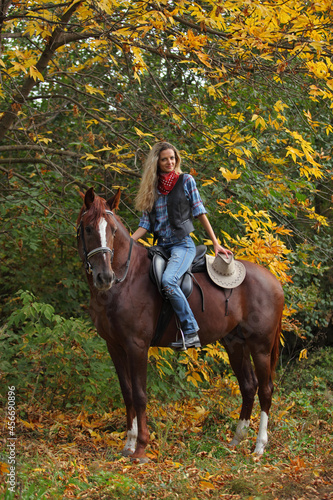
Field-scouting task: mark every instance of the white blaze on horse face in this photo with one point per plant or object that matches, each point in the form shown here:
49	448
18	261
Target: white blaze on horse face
132	435
262	434
102	233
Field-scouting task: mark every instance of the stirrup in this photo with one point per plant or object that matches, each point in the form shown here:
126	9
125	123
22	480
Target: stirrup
186	341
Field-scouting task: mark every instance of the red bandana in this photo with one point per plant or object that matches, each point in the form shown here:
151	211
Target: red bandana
166	182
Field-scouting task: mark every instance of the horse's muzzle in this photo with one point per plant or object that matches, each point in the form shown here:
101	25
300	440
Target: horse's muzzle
104	280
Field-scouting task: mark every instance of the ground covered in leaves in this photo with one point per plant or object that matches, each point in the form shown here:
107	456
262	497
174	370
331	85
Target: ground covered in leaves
76	454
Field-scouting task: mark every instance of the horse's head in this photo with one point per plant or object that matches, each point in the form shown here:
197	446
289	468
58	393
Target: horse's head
96	231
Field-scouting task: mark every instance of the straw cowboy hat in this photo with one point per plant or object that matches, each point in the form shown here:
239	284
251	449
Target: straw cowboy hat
225	271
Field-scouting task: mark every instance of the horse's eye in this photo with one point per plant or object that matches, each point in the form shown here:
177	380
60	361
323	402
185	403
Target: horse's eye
88	229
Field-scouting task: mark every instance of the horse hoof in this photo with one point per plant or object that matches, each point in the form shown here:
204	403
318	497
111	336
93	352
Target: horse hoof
126	452
140	460
258	453
233	443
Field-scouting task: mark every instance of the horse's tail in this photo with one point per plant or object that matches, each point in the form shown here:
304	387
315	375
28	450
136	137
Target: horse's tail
276	346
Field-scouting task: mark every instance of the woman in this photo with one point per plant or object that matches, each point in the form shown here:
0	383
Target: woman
169	200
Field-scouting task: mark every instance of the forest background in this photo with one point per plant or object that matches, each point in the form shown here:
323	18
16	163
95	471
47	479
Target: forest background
244	89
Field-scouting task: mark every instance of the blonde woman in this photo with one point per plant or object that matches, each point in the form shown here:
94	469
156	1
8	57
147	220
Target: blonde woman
168	200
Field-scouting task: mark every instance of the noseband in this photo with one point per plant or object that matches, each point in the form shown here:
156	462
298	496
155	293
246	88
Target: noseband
87	255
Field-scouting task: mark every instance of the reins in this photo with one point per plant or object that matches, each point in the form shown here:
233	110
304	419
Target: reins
120	280
88	255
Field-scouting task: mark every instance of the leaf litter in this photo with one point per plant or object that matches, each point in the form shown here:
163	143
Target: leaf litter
76	454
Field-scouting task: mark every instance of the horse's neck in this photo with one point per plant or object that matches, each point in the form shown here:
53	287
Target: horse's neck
122	243
122	240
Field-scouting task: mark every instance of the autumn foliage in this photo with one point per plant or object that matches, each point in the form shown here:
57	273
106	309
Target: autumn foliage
244	89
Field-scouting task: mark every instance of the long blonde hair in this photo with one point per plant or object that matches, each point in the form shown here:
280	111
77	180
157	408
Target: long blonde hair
147	194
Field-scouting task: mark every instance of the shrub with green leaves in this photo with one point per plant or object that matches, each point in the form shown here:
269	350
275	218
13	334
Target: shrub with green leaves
60	361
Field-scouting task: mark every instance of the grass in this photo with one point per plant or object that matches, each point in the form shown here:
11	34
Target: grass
65	454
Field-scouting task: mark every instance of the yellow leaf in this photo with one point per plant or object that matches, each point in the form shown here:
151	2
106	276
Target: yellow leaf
93	90
294	152
279	105
191	379
89	156
17	67
70	5
116	166
107	148
204	58
34	73
136	76
28	425
4	469
259	121
207	485
284	16
207	182
303	354
229	175
142	134
196	376
329	129
46	140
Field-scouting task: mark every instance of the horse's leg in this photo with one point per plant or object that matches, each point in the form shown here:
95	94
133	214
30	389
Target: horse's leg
120	362
265	352
239	357
262	363
138	361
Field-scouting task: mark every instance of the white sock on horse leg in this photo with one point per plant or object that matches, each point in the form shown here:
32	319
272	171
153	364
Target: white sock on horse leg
241	432
262	438
132	435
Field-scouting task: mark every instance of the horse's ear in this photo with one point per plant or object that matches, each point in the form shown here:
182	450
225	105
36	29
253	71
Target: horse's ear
89	198
114	201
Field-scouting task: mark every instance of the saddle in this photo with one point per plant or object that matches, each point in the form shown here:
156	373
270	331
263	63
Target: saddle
159	259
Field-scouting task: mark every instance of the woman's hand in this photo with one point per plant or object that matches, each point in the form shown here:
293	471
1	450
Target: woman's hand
209	230
220	249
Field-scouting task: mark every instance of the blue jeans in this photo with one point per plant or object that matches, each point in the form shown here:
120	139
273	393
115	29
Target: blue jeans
182	254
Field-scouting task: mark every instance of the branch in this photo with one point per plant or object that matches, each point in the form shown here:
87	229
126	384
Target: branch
10	115
51	151
11	173
81	185
101	121
203	28
32	161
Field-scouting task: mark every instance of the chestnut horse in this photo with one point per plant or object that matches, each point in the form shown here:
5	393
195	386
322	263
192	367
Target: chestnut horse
125	307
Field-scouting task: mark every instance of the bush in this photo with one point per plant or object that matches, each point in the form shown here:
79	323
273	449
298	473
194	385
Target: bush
315	371
62	362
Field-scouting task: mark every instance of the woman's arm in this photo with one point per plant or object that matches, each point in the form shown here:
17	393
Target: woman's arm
209	230
139	233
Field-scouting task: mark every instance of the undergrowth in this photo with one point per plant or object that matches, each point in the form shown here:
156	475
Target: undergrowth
70	421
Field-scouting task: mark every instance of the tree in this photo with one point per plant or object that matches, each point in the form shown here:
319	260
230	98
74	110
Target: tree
244	90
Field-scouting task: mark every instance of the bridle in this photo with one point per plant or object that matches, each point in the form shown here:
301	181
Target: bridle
88	255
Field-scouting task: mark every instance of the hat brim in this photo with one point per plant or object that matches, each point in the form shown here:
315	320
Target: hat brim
226	281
